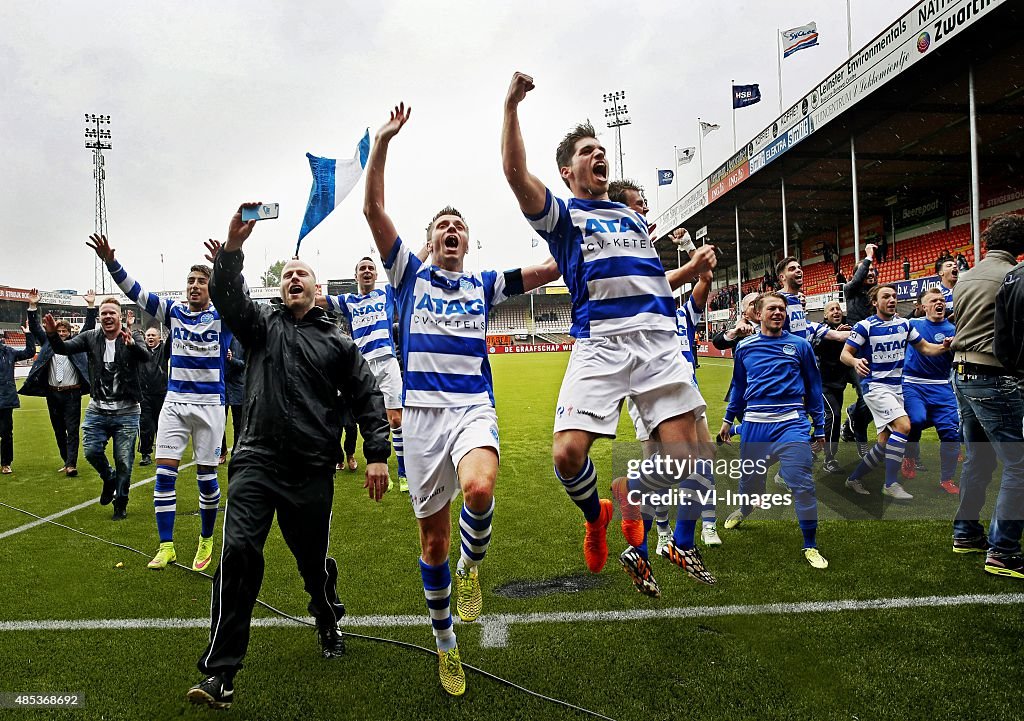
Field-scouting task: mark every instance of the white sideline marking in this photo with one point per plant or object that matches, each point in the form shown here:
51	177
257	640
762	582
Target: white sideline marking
80	506
495	628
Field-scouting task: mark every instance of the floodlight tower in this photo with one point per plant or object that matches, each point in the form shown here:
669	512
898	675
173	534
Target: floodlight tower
97	139
616	115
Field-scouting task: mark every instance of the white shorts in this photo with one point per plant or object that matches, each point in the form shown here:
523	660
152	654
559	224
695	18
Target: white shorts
436	439
642	434
885	403
203	423
389	380
644	365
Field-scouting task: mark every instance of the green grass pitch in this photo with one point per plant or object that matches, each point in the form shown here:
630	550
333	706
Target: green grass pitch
930	662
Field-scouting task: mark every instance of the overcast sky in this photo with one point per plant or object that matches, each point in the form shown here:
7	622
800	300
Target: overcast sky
216	103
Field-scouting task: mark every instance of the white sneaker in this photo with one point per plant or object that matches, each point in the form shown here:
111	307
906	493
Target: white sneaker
663	538
735	518
895	491
709	535
781	482
856	486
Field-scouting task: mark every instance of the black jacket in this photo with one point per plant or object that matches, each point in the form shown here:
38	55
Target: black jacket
858	307
834	373
122	383
1008	344
234	375
300	375
153	373
38	381
8	357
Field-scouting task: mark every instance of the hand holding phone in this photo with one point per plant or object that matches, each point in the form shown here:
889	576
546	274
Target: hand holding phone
264	211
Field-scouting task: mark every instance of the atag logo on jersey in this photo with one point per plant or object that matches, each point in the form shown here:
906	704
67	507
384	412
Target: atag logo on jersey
789	349
364	309
440	306
615	225
209	336
924	41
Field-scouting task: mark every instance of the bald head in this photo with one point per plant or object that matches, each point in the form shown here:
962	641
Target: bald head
298	287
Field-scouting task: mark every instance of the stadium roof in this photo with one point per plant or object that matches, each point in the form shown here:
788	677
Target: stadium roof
904	99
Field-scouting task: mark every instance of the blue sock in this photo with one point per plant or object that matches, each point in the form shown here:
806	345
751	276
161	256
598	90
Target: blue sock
895	447
209	499
707	513
165	501
399	446
642	548
869	462
582	489
437	587
475	531
948	452
810	530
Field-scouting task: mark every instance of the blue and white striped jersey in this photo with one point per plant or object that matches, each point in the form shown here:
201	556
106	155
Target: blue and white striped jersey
947	293
797	323
776	379
884	344
371	317
687	319
442	318
929	369
199	343
610	266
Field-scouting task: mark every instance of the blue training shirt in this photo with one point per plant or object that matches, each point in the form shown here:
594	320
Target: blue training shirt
929	369
442	317
610	266
776	379
371	317
199	343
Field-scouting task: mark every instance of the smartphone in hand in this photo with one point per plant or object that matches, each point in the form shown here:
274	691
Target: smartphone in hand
267	211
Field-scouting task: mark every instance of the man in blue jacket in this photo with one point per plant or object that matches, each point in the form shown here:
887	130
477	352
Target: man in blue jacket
61	380
9	397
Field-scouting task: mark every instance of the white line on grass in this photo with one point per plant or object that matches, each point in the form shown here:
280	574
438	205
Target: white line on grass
79	507
496	627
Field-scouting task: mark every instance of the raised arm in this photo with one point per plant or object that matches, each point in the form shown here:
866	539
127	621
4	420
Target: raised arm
30	347
227	289
702	260
92	313
384	233
151	303
535	276
528	189
34	327
857	281
58	344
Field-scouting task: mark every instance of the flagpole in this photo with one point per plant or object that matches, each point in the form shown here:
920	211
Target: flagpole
700	148
657	174
675	178
849	31
778	59
732	84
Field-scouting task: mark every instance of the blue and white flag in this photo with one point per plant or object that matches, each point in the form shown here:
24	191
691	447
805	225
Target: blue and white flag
805	36
744	95
333	180
665	177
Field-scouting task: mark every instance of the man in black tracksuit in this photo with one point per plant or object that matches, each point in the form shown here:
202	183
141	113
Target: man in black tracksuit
153	379
301	372
834	377
858	307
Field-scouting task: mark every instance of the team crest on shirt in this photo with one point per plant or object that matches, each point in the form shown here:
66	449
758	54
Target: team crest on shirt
939	337
465	283
789	349
206	318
